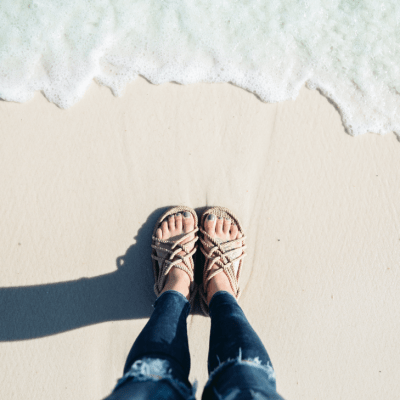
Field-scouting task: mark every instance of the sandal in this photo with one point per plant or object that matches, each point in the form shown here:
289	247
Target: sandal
228	258
163	264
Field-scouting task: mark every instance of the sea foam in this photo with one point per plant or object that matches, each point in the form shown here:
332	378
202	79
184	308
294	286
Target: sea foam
348	49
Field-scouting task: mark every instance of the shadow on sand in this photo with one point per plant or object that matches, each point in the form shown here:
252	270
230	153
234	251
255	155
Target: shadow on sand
31	312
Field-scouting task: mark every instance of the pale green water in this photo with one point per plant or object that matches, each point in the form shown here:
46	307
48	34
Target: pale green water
350	49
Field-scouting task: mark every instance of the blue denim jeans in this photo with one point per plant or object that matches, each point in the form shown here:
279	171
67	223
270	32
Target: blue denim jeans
158	364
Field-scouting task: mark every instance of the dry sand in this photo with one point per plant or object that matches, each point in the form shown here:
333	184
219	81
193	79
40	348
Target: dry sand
82	188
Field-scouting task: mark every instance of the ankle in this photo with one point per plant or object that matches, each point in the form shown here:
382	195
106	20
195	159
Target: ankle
179	281
218	284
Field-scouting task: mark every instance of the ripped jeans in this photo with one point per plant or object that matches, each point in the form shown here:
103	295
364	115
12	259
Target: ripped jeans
158	364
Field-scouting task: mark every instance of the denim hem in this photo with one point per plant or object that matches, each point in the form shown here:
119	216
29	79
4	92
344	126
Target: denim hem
220	293
174	292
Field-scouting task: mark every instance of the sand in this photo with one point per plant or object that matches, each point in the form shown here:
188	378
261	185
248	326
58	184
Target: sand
82	188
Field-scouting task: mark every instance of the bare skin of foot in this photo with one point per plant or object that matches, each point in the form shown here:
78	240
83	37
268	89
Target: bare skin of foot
173	229
222	230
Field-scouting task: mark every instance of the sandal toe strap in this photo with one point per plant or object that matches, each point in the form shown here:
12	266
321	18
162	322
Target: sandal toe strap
172	258
224	256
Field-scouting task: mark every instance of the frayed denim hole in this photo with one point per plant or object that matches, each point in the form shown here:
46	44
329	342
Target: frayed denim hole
267	368
155	369
147	369
254	362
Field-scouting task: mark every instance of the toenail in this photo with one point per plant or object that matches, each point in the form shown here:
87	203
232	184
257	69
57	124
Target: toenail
178	215
220	218
186	214
211	217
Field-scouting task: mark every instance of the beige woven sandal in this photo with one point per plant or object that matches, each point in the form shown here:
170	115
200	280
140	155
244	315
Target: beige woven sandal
224	254
162	265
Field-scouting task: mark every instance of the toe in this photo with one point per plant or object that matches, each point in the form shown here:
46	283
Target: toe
165	230
159	233
233	232
178	222
209	224
188	222
227	226
171	222
219	225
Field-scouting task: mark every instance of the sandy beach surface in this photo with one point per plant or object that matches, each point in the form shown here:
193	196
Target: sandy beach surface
82	188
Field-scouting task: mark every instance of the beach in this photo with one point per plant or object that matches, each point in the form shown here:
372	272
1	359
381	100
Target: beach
83	187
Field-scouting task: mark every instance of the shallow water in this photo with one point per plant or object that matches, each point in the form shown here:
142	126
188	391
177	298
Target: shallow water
349	50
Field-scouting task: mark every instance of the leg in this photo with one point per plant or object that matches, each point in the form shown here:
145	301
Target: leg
238	363
165	335
231	333
158	364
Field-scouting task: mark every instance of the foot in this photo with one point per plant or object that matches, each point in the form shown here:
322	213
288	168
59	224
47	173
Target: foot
222	230
174	228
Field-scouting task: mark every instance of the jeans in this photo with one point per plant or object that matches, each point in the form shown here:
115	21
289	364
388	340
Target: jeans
158	364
